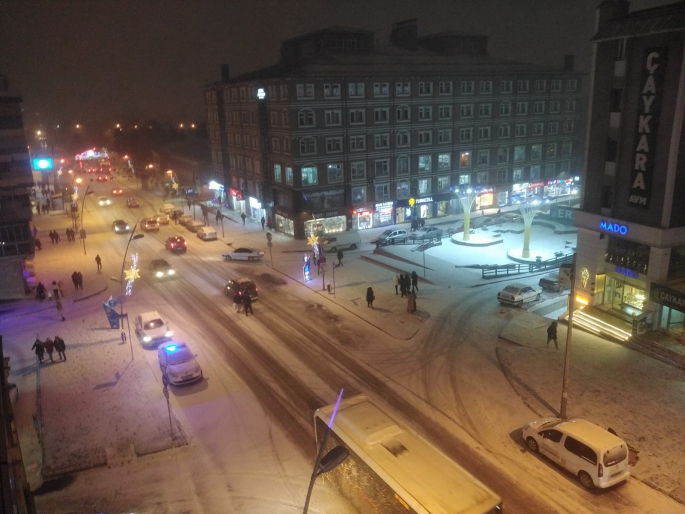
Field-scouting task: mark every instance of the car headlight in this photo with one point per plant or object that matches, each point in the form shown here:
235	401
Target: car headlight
169	333
116	229
160	274
147	339
128	227
171	272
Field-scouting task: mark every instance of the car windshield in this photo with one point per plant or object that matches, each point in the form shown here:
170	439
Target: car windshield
179	356
152	324
552	276
387	233
160	263
512	289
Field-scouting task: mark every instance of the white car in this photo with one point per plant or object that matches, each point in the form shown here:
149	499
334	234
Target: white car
178	363
151	329
518	294
103	200
243	254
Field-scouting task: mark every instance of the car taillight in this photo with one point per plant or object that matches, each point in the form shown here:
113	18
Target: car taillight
172	245
600	471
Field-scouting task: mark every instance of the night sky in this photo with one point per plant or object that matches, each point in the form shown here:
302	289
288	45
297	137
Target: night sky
103	61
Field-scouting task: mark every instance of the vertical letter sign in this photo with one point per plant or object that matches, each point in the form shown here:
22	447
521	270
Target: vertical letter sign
647	123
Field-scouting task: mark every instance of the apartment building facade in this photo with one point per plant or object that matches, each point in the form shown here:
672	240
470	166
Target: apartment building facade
345	134
631	226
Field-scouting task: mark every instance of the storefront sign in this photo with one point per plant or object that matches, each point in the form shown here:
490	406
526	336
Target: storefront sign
668	297
215	186
235	193
520	187
562	214
625	271
428	199
254	203
384	211
615	228
537	184
647	125
584	276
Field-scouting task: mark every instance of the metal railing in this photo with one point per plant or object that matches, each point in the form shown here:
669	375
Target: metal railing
499	270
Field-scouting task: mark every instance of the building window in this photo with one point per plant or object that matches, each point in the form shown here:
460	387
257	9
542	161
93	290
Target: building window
551	150
244	117
248	164
305	91
331	90
277	173
568	126
424	186
381	115
445	88
553	127
464	159
403	190
445	112
539	107
403	165
550	170
467	111
519	153
538	129
333	144
425	113
521	107
485	110
246	141
382	192
333	117
540	86
355	90
307	146
467	87
286	144
445	136
425	88
482	178
403	113
276	144
506	86
535	172
486	87
504	130
517	174
335	173
444	162
554	106
484	133
425	163
536	152
570	105
425	137
464	179
566	148
283	91
402	89
273	118
403	138
381	140
501	174
466	134
381	168
359	195
357	116
305	118
521	129
357	143
483	157
309	176
358	170
443	184
556	86
505	108
523	86
571	85
502	154
381	89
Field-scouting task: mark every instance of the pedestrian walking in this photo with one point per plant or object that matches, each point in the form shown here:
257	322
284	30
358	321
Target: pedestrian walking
52	237
403	286
238	301
396	282
552	334
61	348
80	280
218	216
340	257
263	222
414	282
247	303
55	290
38	348
49	346
56	237
40	291
98	261
68	232
60	307
242	216
34	231
411	303
74	279
370	297
38	244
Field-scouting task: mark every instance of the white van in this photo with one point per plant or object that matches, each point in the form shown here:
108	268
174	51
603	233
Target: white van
167	208
151	329
595	455
341	241
207	233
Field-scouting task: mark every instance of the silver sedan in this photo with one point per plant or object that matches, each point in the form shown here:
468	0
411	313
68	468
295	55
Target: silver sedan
243	254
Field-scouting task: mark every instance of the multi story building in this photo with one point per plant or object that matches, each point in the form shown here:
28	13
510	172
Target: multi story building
631	226
345	134
16	181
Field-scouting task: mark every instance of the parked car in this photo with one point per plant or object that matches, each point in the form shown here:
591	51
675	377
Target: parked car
510	217
117	191
427	233
207	234
243	254
481	221
194	225
518	294
103	201
176	244
160	268
120	226
457	229
244	284
341	241
185	218
102	178
178	363
390	236
162	219
132	202
152	329
149	224
551	282
598	457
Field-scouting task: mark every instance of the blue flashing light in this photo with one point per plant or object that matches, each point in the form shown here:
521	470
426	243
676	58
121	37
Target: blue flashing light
171	348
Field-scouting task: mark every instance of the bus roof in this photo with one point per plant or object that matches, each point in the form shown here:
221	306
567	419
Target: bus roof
422	475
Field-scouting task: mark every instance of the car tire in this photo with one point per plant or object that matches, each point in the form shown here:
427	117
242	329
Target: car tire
227	258
250	259
353	247
585	480
537	297
405	240
532	445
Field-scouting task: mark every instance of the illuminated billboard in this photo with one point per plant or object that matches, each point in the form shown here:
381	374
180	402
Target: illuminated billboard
42	163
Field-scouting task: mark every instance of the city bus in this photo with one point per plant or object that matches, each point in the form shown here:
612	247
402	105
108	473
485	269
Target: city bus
393	470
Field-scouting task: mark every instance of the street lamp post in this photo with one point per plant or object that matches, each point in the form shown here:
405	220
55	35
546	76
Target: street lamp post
82	233
121	284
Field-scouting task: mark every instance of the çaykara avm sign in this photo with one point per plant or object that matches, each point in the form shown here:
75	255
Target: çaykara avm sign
614	228
647	123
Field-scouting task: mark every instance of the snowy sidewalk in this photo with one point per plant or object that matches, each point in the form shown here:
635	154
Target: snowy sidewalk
611	385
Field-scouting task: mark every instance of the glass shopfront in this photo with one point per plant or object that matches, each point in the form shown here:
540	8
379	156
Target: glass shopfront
285	225
383	214
671	311
620	293
403	214
362	218
321	226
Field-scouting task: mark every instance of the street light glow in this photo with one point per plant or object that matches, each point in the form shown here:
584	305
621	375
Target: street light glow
38	132
78	125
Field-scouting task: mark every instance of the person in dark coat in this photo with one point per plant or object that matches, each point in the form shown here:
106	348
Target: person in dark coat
238	301
61	347
80	280
74	279
263	222
414	281
242	216
370	297
340	257
247	302
39	349
403	286
49	346
552	334
98	261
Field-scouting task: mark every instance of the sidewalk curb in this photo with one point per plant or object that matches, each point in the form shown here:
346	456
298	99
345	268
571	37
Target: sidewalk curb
369	259
93	294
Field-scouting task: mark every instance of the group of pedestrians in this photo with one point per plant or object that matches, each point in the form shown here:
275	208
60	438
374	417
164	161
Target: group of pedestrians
54	237
49	346
407	285
77	280
71	235
242	302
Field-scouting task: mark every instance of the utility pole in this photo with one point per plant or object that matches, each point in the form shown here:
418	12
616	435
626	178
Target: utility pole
569	338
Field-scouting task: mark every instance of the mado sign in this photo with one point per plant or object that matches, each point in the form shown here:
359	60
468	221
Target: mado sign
614	228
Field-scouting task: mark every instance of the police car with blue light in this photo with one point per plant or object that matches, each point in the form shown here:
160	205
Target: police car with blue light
178	363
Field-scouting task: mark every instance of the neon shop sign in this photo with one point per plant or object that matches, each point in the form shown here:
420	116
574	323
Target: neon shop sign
614	228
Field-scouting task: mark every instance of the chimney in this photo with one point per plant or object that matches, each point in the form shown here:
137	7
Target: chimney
225	73
569	62
611	9
405	34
